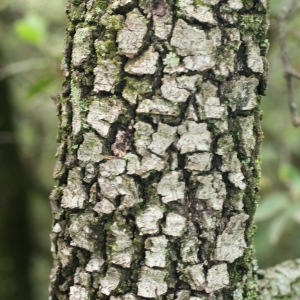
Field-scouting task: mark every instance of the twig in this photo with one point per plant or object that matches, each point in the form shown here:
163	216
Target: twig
23	66
289	71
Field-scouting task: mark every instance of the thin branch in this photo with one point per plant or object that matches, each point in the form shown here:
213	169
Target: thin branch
289	71
294	73
23	66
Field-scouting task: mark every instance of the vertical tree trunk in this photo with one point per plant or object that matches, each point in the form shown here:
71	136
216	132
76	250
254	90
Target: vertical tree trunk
14	225
158	164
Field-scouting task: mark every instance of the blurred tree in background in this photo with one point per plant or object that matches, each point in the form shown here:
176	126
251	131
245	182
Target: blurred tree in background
14	243
278	216
32	34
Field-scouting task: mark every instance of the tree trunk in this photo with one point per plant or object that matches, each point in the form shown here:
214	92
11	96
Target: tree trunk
158	164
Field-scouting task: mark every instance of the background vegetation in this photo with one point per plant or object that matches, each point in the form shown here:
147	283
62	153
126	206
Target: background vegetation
32	34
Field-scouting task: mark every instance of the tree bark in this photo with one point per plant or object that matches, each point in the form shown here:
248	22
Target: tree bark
158	164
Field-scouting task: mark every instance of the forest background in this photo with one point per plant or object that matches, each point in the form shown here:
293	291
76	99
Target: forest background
32	34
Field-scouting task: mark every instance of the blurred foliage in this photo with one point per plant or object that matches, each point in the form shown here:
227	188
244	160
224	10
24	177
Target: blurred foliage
33	47
31	28
32	34
278	214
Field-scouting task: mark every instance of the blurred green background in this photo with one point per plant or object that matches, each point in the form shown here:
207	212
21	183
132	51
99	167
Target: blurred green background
31	44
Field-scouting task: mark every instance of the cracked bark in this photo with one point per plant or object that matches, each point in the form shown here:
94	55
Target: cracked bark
158	165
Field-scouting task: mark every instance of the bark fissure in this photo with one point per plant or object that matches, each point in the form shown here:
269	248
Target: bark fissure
158	162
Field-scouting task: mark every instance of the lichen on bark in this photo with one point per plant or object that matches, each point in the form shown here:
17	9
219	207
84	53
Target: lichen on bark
157	167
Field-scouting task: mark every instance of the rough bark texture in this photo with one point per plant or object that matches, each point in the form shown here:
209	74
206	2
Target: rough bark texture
158	162
281	281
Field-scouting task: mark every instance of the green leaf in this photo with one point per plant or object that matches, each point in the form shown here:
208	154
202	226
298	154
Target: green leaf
38	86
288	172
291	175
271	206
31	29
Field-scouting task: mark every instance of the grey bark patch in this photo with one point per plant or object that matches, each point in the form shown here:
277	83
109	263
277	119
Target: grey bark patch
230	161
120	185
102	113
108	188
90	172
247	135
110	282
147	221
198	51
198	161
172	92
130	37
74	195
95	263
194	137
201	13
151	163
142	137
199	62
231	164
98	116
145	64
81	232
75	100
183	295
91	148
189	245
208	103
128	296
241	93
189	83
106	75
211	2
151	283
82	278
136	88
235	4
162	139
81	46
196	42
158	106
231	243
121	251
78	293
133	163
212	189
225	145
120	3
217	278
175	225
104	207
162	20
254	60
194	276
112	167
156	254
170	188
